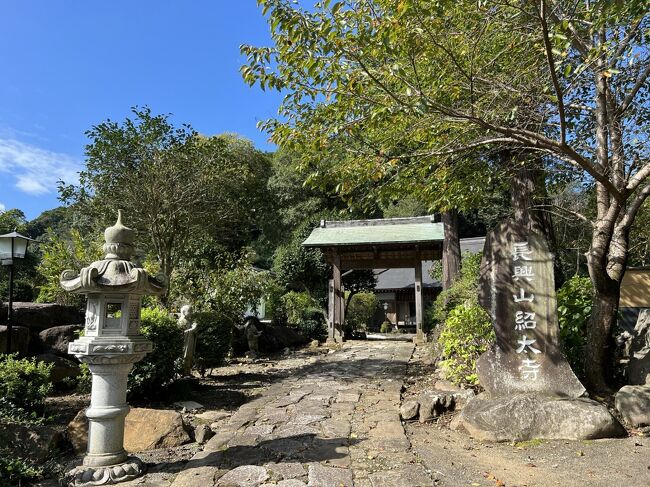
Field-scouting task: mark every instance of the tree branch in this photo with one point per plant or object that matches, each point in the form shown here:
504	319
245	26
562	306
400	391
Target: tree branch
551	66
629	98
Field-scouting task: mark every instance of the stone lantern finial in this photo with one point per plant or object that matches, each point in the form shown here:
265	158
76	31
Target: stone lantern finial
118	240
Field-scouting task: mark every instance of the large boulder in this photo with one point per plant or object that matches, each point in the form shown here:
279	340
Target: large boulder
524	417
144	429
35	442
56	339
19	339
41	316
62	369
633	402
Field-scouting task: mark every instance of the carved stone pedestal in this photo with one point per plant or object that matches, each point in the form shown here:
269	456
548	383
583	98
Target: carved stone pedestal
106	475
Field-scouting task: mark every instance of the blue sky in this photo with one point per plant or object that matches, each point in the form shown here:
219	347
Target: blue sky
66	66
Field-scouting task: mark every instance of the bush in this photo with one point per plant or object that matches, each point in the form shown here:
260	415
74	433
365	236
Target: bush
15	470
463	291
303	312
466	335
361	310
159	368
24	385
213	339
574	302
386	327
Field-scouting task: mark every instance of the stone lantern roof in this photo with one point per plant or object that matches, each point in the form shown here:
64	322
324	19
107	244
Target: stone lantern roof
115	272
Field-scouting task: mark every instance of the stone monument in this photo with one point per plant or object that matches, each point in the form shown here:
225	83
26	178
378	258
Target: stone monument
190	334
530	389
111	344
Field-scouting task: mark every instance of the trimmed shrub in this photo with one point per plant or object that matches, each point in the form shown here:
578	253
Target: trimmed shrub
466	335
160	368
24	385
214	339
574	303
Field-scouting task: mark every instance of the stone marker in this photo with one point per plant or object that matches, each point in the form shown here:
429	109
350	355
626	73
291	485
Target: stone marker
531	391
517	289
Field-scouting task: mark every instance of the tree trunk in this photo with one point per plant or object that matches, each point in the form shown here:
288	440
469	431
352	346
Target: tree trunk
450	249
607	260
598	363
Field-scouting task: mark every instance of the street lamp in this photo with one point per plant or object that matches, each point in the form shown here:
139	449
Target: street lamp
12	246
385	305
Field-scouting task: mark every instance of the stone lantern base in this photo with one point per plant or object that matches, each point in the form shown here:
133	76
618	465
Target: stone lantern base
84	476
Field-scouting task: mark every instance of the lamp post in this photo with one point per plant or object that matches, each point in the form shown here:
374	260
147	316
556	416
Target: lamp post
12	246
385	305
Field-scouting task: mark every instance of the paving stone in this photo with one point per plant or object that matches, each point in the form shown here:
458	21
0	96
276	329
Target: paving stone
191	477
291	398
412	476
244	440
212	416
336	428
244	476
348	397
219	441
321	476
260	430
289	430
283	471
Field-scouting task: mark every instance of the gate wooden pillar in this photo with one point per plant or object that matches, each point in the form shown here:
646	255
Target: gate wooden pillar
336	304
419	303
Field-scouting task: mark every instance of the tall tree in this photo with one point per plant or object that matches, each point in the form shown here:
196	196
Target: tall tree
459	80
178	188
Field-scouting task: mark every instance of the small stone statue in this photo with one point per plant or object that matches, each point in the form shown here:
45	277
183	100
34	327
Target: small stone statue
190	332
252	332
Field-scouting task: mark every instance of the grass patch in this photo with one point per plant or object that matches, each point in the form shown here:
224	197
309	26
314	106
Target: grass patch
530	443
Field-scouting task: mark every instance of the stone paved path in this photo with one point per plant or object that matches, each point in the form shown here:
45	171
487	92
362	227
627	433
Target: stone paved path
332	423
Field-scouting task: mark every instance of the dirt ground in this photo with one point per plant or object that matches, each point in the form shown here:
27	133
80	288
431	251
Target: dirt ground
461	460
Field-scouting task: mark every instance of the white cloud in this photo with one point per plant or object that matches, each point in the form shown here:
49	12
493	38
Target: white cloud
2	207
35	170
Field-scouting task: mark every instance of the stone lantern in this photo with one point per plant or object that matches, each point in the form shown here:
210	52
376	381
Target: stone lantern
111	344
